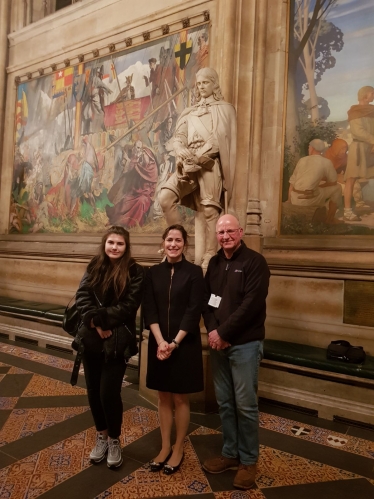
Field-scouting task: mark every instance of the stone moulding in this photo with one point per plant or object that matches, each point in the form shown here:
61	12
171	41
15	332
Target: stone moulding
165	29
174	26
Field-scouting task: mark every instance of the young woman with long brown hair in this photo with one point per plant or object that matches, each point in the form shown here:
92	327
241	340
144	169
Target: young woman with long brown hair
108	298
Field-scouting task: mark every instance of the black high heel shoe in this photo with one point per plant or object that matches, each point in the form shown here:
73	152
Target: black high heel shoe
153	466
170	470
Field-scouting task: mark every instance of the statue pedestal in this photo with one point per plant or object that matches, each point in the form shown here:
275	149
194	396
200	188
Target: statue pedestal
203	402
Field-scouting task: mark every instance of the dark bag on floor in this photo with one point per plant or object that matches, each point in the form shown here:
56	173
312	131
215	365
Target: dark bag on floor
72	319
344	351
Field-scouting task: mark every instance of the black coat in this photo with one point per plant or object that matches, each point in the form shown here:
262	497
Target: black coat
175	303
110	313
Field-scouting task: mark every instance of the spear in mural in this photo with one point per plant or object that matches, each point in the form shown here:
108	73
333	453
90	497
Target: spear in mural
114	72
144	119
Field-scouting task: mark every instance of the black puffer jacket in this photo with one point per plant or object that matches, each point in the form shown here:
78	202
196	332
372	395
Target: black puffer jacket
109	313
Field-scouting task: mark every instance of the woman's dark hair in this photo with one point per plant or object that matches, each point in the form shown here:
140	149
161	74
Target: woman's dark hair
105	273
181	229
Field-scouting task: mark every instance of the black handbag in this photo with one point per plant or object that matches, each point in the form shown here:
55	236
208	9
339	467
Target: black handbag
343	350
122	344
71	321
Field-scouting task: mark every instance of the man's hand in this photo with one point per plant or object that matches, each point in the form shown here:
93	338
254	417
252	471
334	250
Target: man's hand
103	334
216	342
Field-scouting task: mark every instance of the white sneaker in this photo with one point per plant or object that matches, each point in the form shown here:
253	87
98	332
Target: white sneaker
100	449
114	458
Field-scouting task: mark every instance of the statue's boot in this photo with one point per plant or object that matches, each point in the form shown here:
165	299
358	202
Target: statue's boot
211	217
169	204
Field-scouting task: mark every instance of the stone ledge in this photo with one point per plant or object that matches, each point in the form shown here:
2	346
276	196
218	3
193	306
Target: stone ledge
327	397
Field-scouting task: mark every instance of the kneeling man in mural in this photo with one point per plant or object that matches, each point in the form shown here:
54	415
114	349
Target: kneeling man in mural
237	282
205	146
314	182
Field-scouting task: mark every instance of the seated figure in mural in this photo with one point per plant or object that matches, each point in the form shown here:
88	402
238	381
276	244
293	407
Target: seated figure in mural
314	182
133	192
205	148
360	162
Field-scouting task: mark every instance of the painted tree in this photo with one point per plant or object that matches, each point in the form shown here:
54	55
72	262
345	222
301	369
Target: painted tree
317	57
309	23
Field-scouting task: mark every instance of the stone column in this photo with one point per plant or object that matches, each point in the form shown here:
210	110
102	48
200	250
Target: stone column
253	235
17	16
224	46
4	30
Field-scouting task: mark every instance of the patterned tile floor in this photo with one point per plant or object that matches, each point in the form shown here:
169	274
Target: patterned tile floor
25	422
46	435
42	358
321	436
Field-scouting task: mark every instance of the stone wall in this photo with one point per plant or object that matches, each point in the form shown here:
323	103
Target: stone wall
249	49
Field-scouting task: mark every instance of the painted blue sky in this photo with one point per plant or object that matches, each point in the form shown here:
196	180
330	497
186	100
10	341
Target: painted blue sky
355	63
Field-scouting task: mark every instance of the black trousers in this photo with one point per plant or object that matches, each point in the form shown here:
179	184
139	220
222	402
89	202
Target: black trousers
104	383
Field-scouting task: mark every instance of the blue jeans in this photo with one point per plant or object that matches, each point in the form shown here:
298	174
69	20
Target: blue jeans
235	375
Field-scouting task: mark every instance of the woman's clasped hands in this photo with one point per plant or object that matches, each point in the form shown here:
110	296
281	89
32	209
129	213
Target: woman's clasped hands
165	349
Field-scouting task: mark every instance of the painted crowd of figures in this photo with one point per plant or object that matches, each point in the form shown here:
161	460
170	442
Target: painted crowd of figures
93	143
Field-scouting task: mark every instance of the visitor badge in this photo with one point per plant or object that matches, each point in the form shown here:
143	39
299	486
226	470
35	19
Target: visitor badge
214	301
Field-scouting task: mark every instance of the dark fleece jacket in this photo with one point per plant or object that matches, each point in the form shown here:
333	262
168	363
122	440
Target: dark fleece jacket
242	281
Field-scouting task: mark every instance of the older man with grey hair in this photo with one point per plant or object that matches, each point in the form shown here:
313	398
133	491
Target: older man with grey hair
314	182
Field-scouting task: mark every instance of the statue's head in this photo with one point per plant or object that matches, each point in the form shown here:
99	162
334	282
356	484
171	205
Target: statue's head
207	84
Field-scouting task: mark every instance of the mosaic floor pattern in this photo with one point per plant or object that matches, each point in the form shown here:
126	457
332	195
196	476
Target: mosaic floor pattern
41	386
38	458
319	435
142	484
25	422
40	472
41	358
240	494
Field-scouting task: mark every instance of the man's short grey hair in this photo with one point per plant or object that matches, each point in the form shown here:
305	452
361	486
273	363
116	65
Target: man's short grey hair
317	145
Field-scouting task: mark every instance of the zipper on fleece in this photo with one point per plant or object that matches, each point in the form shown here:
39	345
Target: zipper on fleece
171	282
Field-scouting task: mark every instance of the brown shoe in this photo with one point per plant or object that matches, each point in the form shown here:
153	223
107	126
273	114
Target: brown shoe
220	464
246	477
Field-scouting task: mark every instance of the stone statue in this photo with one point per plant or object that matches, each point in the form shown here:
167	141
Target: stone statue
205	148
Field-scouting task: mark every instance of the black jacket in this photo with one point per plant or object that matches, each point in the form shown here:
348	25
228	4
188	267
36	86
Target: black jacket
108	312
242	282
174	302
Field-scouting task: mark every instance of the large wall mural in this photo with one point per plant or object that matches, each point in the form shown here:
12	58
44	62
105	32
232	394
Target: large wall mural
93	141
328	187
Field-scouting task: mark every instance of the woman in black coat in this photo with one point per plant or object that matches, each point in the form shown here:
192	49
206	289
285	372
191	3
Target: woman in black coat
172	309
108	298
